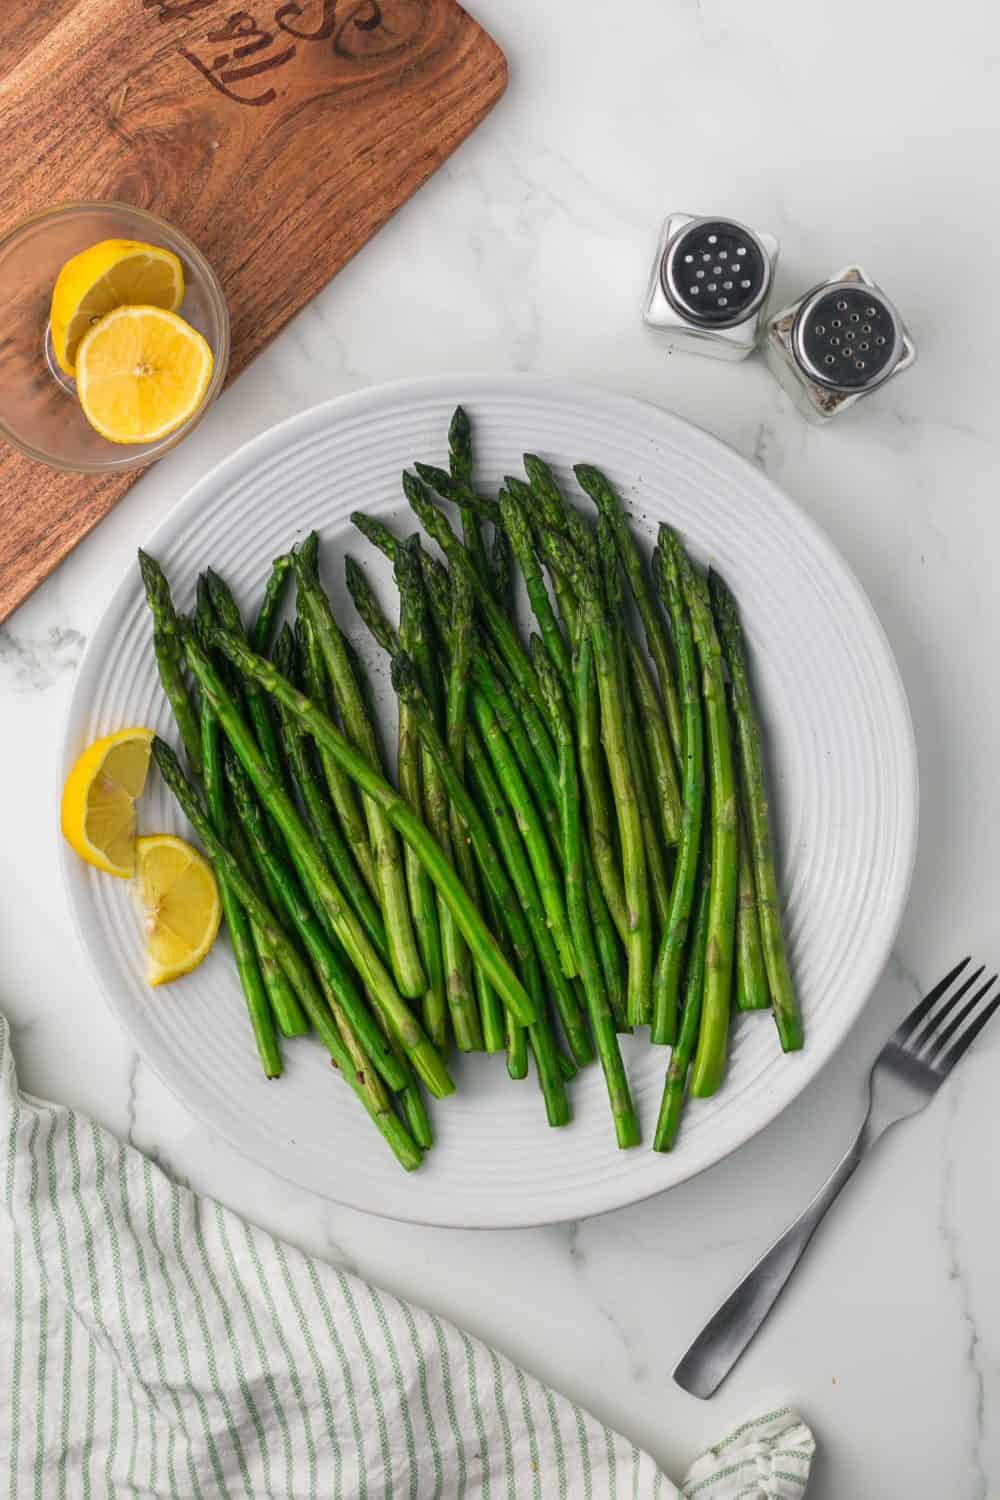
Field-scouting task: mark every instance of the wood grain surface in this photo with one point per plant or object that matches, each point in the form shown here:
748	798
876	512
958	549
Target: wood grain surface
279	136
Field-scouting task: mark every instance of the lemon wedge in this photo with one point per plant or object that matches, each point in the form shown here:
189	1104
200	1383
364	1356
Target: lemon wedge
98	801
110	274
141	372
180	905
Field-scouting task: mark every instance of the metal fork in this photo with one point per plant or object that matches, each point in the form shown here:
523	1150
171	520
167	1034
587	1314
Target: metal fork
907	1073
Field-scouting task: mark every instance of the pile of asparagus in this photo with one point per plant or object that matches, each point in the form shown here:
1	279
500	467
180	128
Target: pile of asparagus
576	844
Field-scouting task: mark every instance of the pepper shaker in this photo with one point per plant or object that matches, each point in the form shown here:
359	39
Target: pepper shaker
709	283
839	342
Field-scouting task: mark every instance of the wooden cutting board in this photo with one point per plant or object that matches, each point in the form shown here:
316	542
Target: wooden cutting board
278	134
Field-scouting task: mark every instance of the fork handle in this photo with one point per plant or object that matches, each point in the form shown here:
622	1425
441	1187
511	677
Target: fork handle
732	1328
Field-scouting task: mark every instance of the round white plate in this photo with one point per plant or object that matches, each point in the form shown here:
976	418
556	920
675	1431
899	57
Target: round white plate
843	778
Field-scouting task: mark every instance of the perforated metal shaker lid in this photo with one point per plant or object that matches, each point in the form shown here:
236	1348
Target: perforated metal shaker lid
847	336
716	272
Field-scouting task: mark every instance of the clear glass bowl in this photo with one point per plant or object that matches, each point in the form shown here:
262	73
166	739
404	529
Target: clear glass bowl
39	412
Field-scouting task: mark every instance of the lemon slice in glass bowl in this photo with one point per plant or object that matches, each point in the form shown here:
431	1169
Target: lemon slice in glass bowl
110	274
141	373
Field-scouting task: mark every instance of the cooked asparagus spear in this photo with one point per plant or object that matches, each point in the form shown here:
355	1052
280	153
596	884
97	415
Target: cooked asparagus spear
656	863
346	1004
602	1021
500	627
228	613
600	814
455	964
656	739
458	643
515	524
460	458
529	823
532	745
422	898
752	992
341	790
609	504
294	965
502	569
511	880
561	515
358	728
170	657
669	562
783	998
377	533
319	810
410	1098
638	922
710	1058
672	1101
523	935
285	1007
490	1009
248	965
275	589
538	888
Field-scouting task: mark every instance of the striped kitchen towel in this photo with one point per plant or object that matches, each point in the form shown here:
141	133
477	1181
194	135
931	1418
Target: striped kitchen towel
152	1344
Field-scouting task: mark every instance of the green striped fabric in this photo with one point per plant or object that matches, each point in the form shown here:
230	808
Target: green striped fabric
152	1344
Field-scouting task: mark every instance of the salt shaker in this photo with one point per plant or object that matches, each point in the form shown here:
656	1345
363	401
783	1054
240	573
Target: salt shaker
839	342
709	284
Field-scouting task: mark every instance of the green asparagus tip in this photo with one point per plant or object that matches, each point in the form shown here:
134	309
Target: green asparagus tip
460	428
405	681
188	634
722	597
548	677
520	491
434	521
376	532
415	492
305	557
204	614
154	580
283	651
560	552
438	479
167	763
406	565
596	485
224	602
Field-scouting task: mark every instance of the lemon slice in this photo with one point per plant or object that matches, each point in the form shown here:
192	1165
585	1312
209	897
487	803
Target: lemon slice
141	373
180	904
98	801
109	274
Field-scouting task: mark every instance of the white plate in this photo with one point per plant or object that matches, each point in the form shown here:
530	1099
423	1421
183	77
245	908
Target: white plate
843	776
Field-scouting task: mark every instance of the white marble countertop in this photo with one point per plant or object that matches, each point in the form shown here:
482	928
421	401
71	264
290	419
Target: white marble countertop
853	132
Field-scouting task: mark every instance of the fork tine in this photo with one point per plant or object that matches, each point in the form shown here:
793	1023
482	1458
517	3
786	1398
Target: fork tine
909	1024
937	1040
917	1042
958	1049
